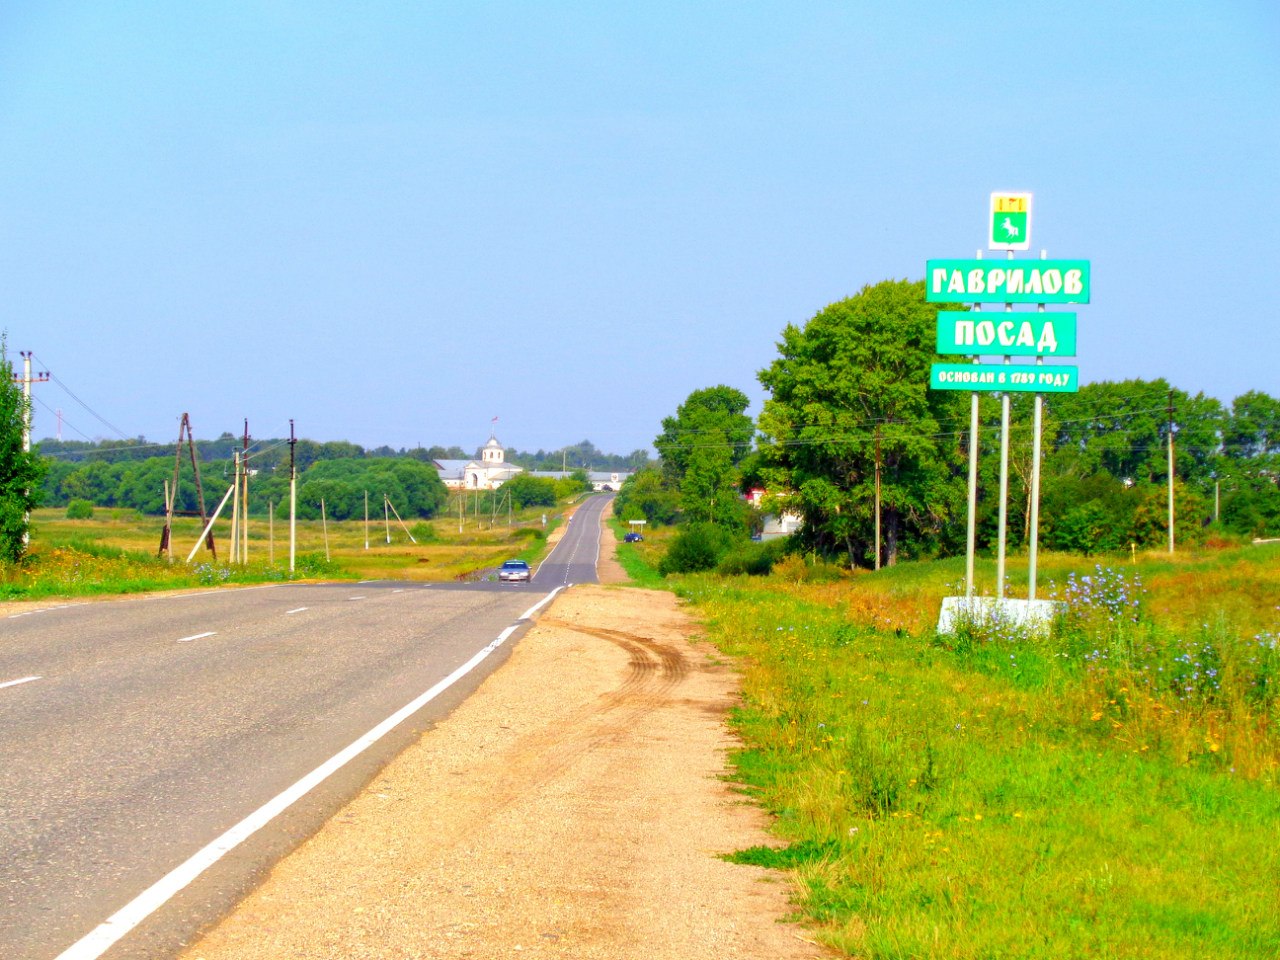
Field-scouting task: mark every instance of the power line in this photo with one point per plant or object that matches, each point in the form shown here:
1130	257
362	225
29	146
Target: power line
71	393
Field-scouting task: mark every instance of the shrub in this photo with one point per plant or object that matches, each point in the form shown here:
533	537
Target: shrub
424	532
79	510
698	546
752	558
797	569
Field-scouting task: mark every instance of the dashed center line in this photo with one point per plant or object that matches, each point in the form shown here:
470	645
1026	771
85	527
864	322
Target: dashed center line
296	610
198	636
14	683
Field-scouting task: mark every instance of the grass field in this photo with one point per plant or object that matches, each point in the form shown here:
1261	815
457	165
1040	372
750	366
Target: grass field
1109	790
115	551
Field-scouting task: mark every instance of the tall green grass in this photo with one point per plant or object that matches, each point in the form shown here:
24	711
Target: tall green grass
640	560
1108	789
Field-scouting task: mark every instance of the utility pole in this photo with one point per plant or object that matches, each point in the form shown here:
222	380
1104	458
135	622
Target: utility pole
235	507
26	380
293	501
1171	471
244	467
877	497
185	431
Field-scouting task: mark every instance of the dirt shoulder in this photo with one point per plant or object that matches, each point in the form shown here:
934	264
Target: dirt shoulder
573	807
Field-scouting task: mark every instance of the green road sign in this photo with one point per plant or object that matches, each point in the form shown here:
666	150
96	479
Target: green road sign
1003	378
1007	281
1007	334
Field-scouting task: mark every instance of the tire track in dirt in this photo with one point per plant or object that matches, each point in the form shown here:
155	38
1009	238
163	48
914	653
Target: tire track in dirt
654	671
573	809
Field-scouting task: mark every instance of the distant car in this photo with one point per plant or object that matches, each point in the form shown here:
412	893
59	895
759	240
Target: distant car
514	571
632	538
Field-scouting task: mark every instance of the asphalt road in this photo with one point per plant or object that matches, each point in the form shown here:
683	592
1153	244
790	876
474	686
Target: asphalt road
138	732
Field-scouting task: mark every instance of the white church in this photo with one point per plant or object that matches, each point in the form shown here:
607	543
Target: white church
488	473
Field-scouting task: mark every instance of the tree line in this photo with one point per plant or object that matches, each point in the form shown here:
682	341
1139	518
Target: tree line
848	400
273	453
411	483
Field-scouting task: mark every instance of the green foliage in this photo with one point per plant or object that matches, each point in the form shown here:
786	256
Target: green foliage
414	488
638	560
527	491
701	448
79	510
1108	789
854	382
752	558
21	471
645	496
577	482
424	532
698	546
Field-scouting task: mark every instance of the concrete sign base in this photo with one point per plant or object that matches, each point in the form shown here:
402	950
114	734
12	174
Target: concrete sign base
1035	616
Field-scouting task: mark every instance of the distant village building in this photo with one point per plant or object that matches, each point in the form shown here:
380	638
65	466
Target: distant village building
492	470
488	473
775	526
601	480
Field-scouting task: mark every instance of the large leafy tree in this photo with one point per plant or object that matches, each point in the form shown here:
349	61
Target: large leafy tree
701	449
852	381
1123	428
21	471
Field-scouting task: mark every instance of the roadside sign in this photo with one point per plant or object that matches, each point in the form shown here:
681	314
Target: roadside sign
1010	222
1006	334
1004	378
1007	281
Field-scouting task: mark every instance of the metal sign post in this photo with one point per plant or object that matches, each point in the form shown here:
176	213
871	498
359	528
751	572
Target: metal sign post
1038	335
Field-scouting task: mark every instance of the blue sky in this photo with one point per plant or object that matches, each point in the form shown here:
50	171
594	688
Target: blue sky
392	222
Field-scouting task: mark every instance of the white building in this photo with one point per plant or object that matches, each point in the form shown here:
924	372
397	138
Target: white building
488	473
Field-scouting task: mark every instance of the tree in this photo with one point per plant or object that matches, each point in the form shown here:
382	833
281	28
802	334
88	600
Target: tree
849	387
644	497
21	471
701	447
527	491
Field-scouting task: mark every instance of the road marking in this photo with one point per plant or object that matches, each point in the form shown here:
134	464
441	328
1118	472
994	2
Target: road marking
104	936
296	610
198	636
32	613
355	598
14	683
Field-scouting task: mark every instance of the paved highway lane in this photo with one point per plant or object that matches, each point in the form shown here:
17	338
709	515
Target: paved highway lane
141	730
575	556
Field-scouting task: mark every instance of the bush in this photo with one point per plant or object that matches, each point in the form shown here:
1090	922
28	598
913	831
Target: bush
79	510
752	558
797	569
424	532
698	546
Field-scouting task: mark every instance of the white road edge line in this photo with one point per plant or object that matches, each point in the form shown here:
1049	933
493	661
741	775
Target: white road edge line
198	636
14	683
104	936
296	610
